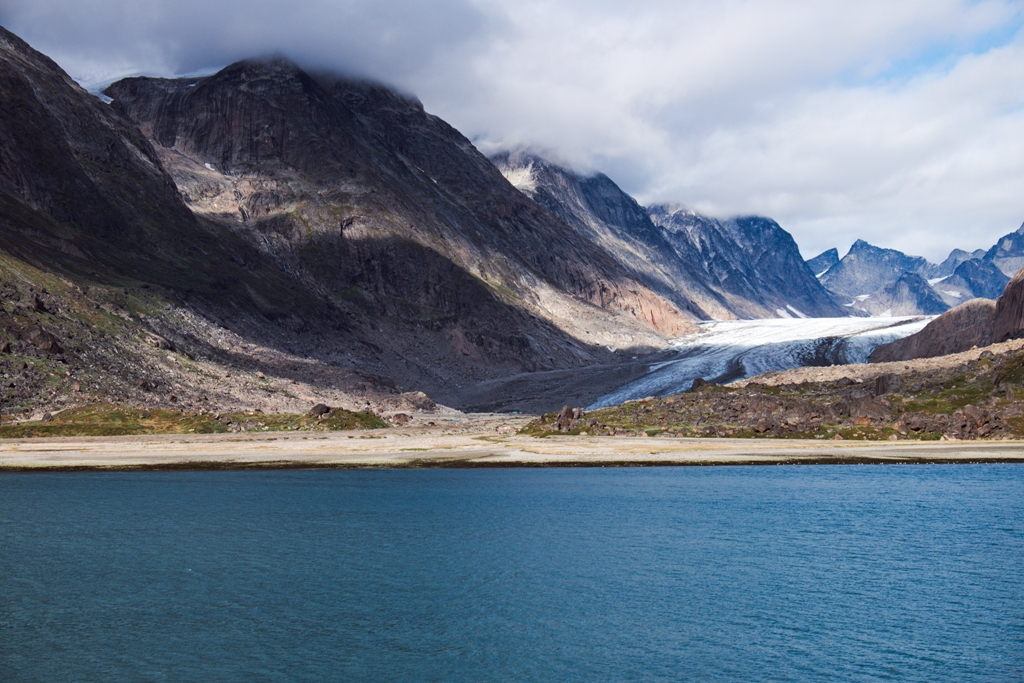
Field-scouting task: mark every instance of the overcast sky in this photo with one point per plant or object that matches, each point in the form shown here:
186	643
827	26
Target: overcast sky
900	122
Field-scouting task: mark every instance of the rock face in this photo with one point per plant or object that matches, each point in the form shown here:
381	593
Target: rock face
745	267
820	264
959	329
1009	316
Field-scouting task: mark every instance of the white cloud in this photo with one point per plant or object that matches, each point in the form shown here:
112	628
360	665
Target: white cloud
902	123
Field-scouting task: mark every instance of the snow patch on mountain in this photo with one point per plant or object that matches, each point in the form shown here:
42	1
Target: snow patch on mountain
521	177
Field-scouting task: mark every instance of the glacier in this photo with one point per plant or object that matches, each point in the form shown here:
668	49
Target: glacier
725	351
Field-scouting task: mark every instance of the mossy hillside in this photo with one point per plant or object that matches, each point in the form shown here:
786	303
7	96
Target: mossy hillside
111	420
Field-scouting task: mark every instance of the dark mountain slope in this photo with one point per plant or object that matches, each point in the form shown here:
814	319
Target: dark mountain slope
82	191
312	164
283	294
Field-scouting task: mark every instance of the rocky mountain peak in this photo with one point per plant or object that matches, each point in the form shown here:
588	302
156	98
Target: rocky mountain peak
867	268
820	264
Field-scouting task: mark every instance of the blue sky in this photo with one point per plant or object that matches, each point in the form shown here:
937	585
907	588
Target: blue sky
900	123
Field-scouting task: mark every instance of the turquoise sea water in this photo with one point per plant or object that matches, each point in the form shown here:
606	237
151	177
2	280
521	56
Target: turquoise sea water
832	573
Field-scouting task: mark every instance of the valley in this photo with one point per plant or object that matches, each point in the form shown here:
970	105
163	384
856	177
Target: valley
266	239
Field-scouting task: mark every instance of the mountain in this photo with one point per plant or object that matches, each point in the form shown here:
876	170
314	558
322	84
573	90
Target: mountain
820	264
113	290
265	239
955	258
1008	253
978	322
395	216
866	271
613	222
910	294
972	279
745	267
748	258
867	268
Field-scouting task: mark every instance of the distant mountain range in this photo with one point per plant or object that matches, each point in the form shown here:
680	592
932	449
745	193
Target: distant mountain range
888	282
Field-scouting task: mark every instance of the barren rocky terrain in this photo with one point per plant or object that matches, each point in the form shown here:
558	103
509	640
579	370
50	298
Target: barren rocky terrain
973	395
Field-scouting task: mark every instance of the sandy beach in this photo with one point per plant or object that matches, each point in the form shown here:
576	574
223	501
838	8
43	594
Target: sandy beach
467	441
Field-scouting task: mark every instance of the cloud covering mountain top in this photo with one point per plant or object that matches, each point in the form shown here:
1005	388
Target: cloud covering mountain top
902	124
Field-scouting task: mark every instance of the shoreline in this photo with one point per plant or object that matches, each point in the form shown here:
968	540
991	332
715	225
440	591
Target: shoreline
476	442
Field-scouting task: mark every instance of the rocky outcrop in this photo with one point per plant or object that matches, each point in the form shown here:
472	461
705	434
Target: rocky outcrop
959	329
1009	315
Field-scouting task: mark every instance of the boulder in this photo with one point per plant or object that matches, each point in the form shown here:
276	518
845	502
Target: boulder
43	340
157	341
888	383
319	410
565	417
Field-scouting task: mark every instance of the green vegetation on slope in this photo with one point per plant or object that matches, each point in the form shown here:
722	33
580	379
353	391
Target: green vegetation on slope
113	420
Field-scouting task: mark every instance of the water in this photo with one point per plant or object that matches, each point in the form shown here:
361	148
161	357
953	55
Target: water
852	573
723	351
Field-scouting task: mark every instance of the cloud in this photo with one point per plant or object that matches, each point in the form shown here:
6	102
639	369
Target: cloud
902	123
